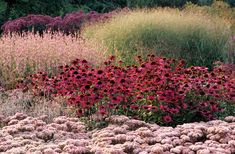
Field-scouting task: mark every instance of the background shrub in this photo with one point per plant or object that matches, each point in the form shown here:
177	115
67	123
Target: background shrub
69	24
199	39
231	2
14	9
204	2
155	3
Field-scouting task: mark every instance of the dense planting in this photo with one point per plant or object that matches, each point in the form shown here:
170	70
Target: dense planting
157	90
170	67
199	39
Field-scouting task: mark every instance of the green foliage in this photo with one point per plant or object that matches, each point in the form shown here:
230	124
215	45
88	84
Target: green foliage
3	6
52	7
99	5
204	2
198	39
92	124
154	3
231	2
169	3
229	110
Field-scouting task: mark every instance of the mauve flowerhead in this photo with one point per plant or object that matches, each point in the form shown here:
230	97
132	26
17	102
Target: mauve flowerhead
70	24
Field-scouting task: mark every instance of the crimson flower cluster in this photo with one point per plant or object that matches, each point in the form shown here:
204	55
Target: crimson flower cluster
69	24
160	89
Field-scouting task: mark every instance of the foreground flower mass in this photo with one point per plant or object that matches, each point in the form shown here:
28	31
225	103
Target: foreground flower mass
23	134
159	90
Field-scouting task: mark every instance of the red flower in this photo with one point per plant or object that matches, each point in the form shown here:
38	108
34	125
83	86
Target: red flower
145	107
174	111
84	61
214	108
79	112
185	106
112	58
86	104
102	110
154	108
134	107
163	108
99	72
167	119
150	97
154	79
116	100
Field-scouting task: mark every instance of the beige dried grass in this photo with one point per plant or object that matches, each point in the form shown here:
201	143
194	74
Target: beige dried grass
15	101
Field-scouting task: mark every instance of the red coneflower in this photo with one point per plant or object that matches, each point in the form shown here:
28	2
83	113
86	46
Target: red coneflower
145	107
154	108
185	106
134	107
99	72
84	61
167	119
174	110
151	97
112	58
79	112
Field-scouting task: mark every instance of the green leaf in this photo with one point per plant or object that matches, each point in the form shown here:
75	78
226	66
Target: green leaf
24	1
3	6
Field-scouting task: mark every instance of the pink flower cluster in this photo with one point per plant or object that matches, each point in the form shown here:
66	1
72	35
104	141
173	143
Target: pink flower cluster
24	134
157	87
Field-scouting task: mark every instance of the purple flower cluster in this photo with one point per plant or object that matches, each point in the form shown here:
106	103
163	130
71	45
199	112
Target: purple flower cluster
70	24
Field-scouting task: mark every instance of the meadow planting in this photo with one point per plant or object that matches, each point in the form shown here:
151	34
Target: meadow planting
156	81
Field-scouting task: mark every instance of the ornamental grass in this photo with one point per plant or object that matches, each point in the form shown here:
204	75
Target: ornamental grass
30	53
199	39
